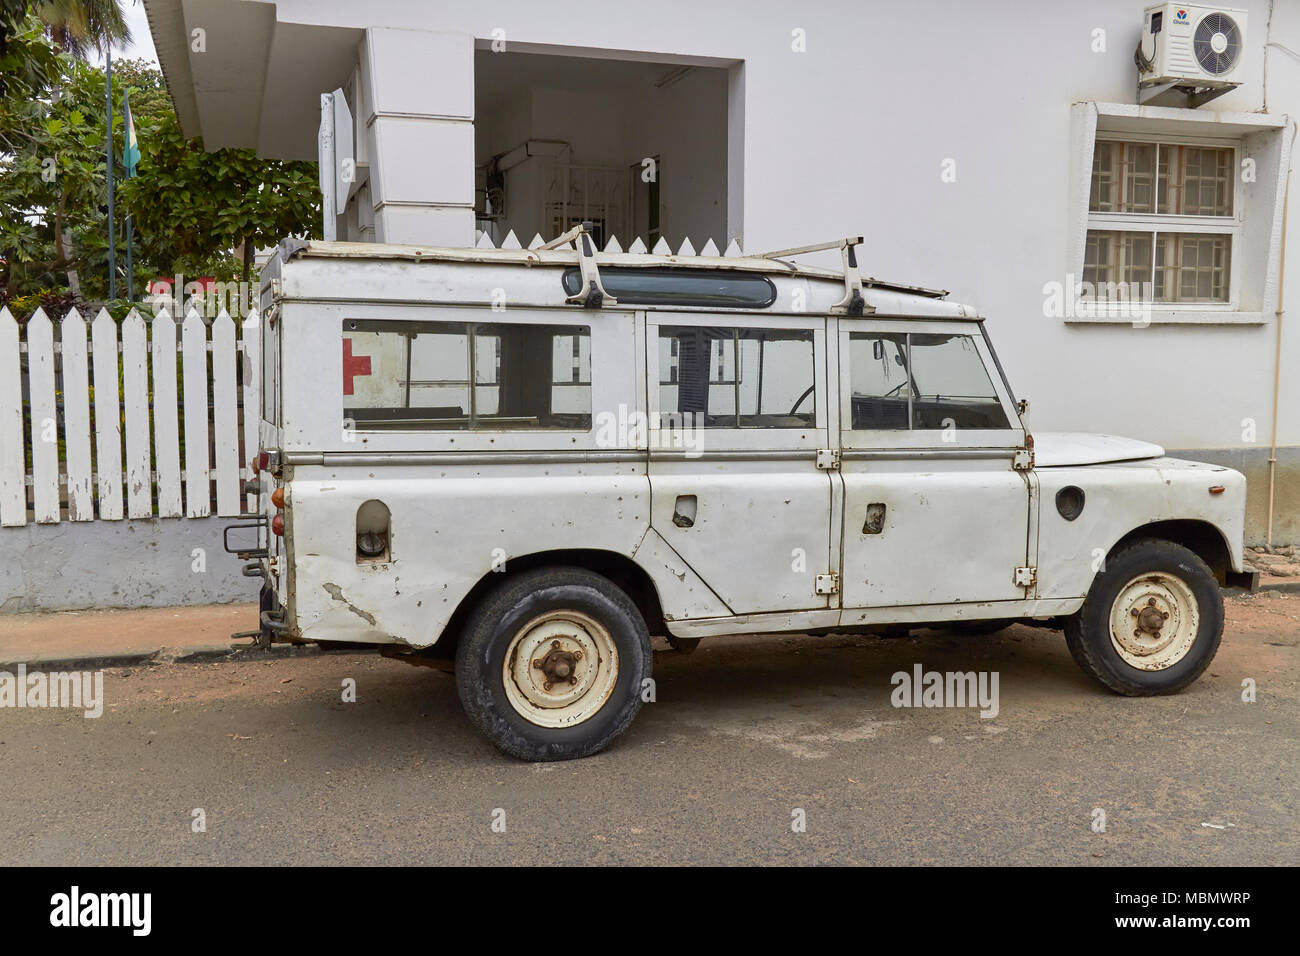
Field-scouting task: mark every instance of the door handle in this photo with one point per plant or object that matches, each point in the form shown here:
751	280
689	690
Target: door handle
875	520
684	511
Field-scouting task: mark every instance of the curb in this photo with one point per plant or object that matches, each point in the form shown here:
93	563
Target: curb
1282	587
168	655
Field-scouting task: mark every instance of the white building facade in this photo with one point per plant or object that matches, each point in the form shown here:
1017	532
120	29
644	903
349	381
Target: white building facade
994	149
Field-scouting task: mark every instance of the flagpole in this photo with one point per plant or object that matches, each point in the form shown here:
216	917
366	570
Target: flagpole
128	129
130	294
108	95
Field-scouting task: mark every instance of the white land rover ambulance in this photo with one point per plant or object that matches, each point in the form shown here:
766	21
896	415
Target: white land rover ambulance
530	461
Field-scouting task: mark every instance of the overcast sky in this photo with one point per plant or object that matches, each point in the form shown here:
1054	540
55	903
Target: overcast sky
141	45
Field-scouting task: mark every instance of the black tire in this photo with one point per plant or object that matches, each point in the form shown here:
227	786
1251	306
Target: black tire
481	655
1087	633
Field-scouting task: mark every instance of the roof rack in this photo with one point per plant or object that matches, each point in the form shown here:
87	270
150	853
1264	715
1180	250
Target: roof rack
853	302
871	282
592	295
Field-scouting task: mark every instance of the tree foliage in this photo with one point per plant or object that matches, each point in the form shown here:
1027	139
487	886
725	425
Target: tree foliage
197	204
189	207
80	26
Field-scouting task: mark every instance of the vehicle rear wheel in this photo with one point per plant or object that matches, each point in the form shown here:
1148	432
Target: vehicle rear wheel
551	664
1152	620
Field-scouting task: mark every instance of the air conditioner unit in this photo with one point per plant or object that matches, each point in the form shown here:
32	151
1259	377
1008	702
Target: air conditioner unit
1192	47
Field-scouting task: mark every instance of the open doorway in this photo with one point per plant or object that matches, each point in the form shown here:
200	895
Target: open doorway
639	149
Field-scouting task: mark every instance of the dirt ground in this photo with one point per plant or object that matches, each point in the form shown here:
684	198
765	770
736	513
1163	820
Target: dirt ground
745	735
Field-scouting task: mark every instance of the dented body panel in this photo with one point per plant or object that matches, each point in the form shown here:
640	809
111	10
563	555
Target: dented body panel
394	522
1124	496
436	554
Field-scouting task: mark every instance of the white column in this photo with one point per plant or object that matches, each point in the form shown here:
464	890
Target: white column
417	119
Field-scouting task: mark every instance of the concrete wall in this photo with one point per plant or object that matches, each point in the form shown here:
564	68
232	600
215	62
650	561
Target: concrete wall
146	563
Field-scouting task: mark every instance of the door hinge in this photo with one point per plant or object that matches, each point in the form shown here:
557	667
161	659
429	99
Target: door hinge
828	583
1026	577
828	459
1024	459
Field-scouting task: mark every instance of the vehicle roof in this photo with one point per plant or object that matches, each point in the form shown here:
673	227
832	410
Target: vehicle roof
929	301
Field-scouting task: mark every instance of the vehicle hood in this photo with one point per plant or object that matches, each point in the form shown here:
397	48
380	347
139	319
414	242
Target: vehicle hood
1081	448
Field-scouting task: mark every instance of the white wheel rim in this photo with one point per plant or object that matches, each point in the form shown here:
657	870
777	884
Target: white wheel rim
560	668
1154	621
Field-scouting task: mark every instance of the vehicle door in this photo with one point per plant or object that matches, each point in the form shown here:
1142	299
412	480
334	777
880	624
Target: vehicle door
935	511
738	412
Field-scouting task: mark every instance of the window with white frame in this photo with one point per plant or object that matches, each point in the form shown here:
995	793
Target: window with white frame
1163	219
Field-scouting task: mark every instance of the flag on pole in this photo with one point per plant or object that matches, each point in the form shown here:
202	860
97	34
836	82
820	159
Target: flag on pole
130	149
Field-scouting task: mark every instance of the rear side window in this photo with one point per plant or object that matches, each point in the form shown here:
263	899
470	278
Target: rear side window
271	371
736	378
457	376
912	380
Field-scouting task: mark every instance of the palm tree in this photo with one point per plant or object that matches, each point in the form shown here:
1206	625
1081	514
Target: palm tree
79	26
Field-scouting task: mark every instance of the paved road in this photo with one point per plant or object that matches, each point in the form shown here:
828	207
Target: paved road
743	733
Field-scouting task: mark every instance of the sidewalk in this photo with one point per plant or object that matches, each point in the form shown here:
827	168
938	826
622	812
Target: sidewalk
86	639
83	639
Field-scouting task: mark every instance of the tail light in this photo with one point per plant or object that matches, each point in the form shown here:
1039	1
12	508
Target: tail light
265	461
277	497
277	526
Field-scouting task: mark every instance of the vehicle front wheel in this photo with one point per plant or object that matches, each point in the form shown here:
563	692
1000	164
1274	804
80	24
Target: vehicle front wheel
552	663
1152	620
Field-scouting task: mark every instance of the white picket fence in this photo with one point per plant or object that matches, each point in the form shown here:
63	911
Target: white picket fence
151	480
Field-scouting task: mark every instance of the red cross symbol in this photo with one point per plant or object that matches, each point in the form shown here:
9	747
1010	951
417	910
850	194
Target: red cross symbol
353	365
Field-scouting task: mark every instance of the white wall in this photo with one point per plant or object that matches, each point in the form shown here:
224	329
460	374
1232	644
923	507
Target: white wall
685	124
849	136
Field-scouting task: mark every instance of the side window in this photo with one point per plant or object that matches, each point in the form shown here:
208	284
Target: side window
440	376
736	378
920	381
878	380
952	385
